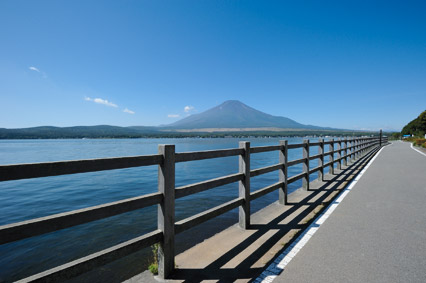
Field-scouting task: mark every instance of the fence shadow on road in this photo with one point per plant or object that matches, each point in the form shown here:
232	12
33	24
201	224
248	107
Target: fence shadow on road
305	203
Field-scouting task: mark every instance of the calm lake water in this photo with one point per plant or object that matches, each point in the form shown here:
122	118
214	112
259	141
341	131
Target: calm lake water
27	199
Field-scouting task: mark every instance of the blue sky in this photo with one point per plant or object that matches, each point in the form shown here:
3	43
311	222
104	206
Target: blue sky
354	65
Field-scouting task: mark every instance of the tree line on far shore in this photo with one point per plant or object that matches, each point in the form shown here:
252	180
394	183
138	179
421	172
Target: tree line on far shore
107	132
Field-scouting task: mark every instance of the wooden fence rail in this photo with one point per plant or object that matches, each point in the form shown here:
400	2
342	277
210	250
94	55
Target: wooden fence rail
168	193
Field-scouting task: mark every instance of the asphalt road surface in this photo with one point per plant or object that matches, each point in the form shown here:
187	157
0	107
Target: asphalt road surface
378	232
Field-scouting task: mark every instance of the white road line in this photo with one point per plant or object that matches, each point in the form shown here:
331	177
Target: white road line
278	266
417	150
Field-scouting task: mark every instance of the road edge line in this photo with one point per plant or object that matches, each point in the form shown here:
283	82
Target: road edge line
417	150
279	264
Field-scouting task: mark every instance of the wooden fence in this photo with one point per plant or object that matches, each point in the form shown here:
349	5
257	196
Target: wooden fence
345	150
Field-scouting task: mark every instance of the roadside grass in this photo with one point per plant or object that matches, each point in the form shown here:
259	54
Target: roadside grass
153	267
417	141
420	142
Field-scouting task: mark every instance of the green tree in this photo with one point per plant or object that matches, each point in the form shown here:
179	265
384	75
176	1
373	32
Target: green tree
396	136
417	127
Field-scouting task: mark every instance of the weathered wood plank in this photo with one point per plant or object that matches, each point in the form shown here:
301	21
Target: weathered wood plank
346	156
305	164
268	148
318	168
330	163
321	160
345	152
87	263
166	211
208	154
265	190
328	153
295	178
315	156
199	218
339	155
282	173
356	149
207	185
264	170
244	186
331	150
294	162
46	169
296	145
25	229
352	155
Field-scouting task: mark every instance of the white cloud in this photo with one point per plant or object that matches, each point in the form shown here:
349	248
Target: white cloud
34	69
105	102
173	115
101	101
128	111
188	108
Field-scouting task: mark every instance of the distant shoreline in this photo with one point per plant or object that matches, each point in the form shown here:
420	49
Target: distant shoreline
186	135
115	132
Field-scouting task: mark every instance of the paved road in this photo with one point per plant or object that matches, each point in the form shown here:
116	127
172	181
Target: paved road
377	233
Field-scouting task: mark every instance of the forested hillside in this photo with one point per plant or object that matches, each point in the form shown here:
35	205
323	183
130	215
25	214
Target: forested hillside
417	127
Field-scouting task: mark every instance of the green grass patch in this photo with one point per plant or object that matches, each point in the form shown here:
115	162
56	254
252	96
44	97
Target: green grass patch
153	267
419	142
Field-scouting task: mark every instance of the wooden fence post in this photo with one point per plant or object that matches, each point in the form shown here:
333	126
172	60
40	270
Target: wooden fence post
282	197
305	180
339	154
321	159
345	152
359	148
166	211
331	147
244	185
356	148
350	149
353	150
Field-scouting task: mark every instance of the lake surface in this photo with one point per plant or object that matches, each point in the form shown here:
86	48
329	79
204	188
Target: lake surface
27	199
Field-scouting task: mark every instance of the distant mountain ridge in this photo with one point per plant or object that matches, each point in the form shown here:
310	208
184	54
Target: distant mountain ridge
232	116
235	114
